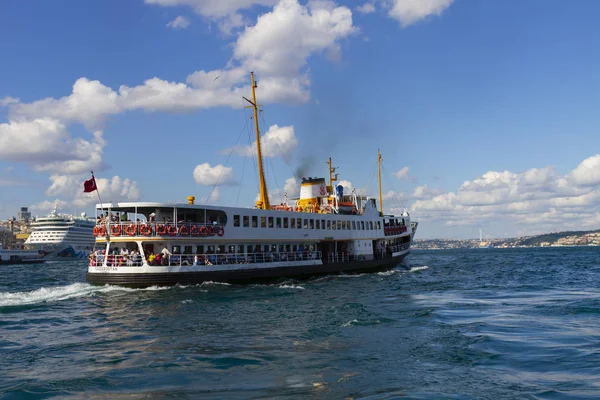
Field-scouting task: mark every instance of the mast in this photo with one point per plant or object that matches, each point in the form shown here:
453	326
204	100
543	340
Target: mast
379	179
332	177
263	201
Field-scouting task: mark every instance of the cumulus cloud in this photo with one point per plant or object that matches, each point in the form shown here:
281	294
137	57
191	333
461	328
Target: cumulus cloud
408	12
536	200
366	8
46	145
227	14
8	101
206	175
402	173
180	22
275	142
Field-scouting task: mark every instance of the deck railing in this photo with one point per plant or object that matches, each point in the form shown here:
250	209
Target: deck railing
114	260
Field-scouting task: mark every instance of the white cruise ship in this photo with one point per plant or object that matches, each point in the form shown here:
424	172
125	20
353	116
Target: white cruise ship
62	237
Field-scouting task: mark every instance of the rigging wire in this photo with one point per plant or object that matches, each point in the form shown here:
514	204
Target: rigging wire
277	144
395	193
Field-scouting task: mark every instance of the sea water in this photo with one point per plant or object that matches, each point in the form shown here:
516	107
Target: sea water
458	324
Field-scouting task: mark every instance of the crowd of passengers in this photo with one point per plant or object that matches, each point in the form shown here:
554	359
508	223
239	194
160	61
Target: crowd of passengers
117	257
165	257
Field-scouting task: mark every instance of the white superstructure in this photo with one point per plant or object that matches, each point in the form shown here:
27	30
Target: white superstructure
61	236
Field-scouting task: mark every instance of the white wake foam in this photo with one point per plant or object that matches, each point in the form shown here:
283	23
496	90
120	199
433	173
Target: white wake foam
415	269
286	286
60	293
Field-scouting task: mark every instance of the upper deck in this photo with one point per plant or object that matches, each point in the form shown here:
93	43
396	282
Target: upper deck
180	221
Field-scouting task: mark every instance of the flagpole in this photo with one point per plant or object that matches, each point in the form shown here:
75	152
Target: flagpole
97	191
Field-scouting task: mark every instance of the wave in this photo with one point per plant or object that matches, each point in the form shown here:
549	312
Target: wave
60	293
416	269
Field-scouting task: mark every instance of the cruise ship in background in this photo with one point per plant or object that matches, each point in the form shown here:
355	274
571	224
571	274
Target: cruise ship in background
62	237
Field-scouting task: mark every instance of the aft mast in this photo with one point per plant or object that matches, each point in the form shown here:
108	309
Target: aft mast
263	201
379	179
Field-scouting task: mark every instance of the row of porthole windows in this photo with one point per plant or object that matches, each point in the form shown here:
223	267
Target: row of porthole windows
306	223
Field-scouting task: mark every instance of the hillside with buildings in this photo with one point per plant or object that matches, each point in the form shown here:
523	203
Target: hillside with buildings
556	239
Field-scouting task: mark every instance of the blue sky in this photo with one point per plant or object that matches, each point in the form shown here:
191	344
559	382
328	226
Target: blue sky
485	112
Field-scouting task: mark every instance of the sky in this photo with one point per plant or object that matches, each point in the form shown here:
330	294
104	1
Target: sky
486	112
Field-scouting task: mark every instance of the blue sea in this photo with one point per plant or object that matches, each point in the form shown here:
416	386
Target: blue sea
455	324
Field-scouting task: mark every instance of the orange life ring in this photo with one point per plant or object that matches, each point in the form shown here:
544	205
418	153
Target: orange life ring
130	230
116	230
146	230
161	230
102	230
210	231
96	231
194	231
184	231
220	231
203	231
172	231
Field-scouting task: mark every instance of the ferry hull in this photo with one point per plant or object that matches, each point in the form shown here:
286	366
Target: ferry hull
142	280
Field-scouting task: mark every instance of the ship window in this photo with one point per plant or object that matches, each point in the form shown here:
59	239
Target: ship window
285	222
246	221
281	250
187	250
294	248
378	224
311	224
348	225
318	225
221	248
254	221
339	225
249	249
236	220
232	249
240	249
343	225
210	250
278	222
328	224
353	225
270	222
371	225
263	222
305	223
362	225
299	223
288	247
266	248
322	224
292	223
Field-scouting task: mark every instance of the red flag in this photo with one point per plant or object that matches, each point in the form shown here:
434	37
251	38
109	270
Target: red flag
90	186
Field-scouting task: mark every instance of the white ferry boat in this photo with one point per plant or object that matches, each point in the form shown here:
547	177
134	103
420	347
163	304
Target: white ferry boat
324	231
19	256
62	237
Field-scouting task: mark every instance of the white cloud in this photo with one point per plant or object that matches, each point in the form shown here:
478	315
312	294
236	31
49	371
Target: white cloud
46	145
214	8
8	101
275	142
424	192
408	12
206	175
90	103
588	172
402	173
366	8
180	22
